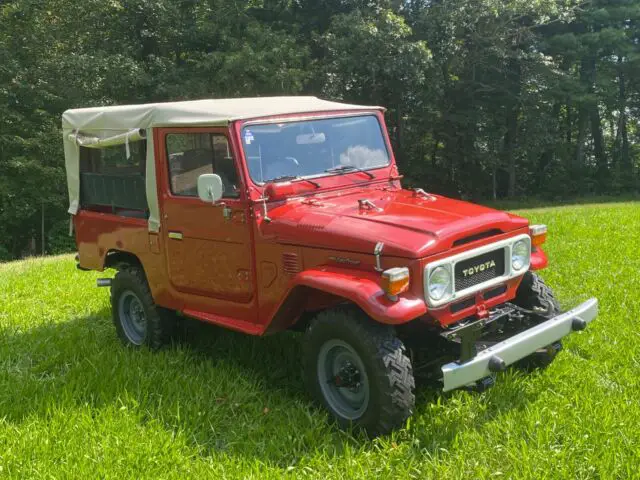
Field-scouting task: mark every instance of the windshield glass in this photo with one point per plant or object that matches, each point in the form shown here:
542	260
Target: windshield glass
309	148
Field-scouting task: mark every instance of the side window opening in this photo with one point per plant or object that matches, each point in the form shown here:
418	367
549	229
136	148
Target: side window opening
108	178
193	154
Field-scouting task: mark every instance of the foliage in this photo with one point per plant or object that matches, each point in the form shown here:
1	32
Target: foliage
76	404
486	98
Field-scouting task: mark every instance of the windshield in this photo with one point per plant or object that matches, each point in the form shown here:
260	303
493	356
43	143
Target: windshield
309	148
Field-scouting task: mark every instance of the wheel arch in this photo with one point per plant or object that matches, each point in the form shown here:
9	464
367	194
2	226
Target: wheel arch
118	259
316	289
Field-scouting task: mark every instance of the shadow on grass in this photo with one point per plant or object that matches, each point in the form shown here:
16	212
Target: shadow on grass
226	392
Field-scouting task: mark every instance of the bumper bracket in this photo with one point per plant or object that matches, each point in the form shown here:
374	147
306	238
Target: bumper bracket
497	357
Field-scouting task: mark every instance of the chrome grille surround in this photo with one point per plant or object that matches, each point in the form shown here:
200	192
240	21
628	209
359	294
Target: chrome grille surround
509	273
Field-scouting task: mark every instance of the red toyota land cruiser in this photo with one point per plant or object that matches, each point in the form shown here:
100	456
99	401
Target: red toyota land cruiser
267	214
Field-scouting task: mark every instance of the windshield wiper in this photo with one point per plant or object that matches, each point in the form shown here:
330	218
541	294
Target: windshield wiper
348	168
283	178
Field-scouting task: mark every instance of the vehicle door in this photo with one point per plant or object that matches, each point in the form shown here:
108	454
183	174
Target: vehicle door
208	245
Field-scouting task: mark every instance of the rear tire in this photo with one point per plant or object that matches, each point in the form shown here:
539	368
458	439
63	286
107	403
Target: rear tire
534	294
138	320
359	371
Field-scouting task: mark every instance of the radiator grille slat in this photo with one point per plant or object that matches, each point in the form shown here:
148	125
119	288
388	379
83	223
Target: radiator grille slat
479	269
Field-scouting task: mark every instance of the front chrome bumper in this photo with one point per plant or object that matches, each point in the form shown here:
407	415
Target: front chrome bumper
511	350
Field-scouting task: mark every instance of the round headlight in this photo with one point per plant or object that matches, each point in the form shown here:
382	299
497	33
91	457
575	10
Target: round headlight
520	255
439	282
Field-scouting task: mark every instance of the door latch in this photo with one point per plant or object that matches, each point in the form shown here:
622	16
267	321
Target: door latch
227	213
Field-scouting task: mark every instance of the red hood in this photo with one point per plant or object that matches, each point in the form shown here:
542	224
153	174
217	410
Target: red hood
409	225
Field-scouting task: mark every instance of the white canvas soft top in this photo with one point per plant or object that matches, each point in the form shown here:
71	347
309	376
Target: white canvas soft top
125	121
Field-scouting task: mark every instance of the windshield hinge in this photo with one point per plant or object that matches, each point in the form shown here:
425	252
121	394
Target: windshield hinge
265	214
377	251
366	204
418	192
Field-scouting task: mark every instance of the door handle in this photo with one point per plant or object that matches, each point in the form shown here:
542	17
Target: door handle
175	235
227	212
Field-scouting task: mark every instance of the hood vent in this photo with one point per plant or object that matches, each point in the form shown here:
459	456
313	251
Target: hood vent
477	236
291	263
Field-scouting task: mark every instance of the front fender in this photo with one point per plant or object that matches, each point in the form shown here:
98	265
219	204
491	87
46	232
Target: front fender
538	259
363	289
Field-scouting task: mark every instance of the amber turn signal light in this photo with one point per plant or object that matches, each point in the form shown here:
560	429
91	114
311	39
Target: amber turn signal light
395	281
538	234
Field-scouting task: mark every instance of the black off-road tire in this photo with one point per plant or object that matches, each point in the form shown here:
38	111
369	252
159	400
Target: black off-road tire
159	324
388	368
534	294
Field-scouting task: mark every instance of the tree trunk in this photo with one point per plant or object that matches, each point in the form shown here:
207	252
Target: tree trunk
510	137
547	156
434	151
625	159
583	119
494	182
509	147
583	112
598	141
589	64
568	124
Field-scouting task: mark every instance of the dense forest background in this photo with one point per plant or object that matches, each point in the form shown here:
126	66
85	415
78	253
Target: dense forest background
487	98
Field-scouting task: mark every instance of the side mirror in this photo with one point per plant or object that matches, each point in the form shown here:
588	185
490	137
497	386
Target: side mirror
210	187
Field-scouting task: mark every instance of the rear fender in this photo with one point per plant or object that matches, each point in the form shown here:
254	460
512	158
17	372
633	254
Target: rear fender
361	288
117	259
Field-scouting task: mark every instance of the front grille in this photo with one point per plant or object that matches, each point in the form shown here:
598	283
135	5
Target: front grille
480	269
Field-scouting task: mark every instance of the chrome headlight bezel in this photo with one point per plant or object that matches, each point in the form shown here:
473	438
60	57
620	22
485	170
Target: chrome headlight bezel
445	282
520	255
509	270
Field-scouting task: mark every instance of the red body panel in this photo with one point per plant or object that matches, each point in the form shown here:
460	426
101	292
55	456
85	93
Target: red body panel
363	288
245	273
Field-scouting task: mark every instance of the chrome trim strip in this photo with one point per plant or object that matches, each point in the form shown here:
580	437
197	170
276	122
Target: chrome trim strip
453	260
511	350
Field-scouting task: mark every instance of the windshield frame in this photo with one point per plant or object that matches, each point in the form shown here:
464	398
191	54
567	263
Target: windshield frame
376	114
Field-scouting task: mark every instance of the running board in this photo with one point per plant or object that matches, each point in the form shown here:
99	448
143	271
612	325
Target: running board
226	322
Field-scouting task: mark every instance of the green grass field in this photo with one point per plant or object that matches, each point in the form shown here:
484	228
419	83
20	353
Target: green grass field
74	403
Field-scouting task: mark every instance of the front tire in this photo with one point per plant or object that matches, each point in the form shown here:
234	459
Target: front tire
534	294
359	371
138	320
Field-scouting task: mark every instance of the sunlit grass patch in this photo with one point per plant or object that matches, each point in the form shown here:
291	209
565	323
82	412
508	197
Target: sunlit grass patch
74	403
